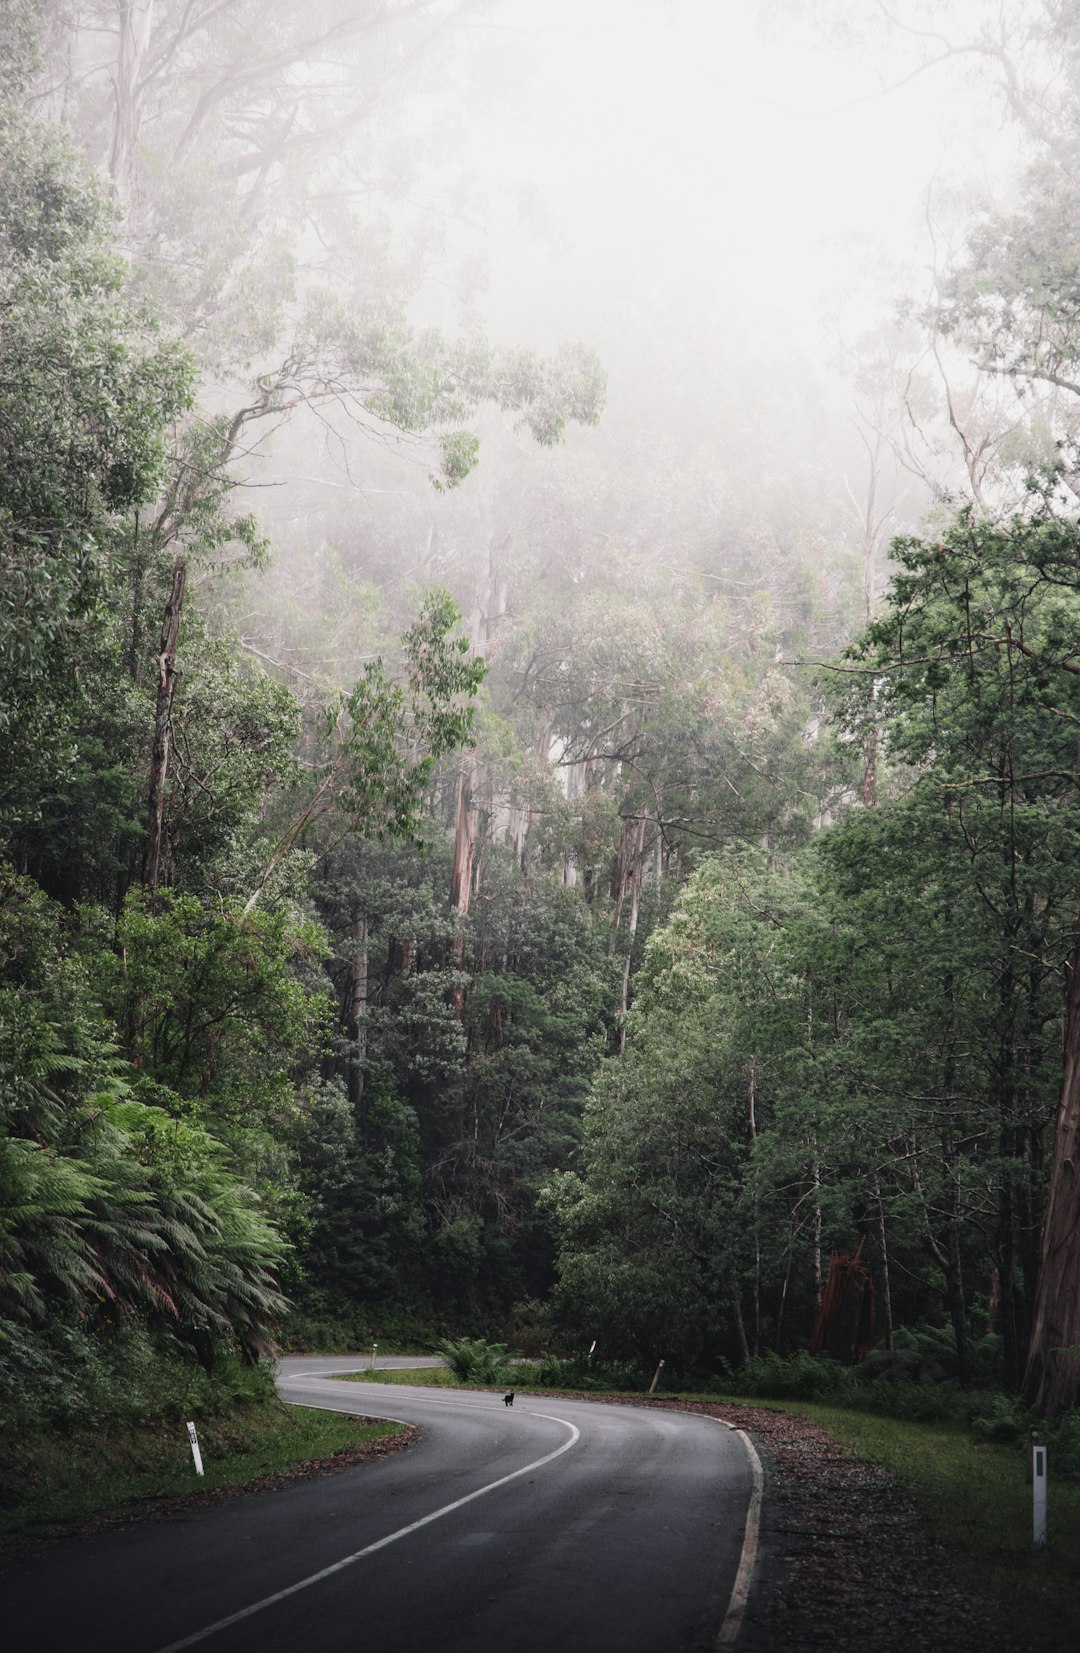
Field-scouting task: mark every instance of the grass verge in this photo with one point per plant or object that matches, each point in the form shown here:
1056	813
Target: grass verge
423	1377
52	1485
435	1377
975	1502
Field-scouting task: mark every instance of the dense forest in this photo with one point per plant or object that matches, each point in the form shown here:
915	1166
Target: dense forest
496	837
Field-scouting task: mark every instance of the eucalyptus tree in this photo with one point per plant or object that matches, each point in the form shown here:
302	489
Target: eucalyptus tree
976	681
263	159
87	394
665	1245
111	1197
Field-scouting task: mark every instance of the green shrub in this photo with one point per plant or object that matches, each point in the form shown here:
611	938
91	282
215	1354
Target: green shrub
591	1377
321	1332
473	1361
1001	1419
1063	1445
71	1378
793	1377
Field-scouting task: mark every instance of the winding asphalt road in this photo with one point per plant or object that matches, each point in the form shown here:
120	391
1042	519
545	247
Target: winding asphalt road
554	1525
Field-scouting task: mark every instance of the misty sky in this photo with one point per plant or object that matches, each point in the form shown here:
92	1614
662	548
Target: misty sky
669	136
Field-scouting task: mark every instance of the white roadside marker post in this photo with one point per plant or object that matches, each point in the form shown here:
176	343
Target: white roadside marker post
592	1351
656	1378
195	1453
374	1350
1038	1491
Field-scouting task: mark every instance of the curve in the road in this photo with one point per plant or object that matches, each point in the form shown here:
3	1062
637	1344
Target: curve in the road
380	1543
590	1528
740	1590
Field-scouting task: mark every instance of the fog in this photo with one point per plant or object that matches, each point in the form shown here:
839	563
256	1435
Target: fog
723	203
659	137
741	213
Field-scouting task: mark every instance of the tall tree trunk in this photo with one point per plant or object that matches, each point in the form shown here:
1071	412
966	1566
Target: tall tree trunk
1027	1187
779	1340
626	879
873	527
575	786
135	20
636	871
751	1101
489	607
1030	1211
159	760
872	737
886	1285
1014	1346
1052	1378
869	775
817	1231
462	871
954	1291
948	1256
356	1020
740	1326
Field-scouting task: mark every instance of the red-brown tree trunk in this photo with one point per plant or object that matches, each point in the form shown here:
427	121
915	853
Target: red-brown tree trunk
159	760
1052	1378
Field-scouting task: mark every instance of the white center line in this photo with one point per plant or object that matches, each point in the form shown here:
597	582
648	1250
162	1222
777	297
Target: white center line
380	1544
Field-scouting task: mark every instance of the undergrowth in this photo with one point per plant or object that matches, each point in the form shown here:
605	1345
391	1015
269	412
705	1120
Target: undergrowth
71	1379
912	1387
473	1360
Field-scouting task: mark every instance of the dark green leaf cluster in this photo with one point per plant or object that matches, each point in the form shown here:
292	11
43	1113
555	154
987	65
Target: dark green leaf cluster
114	1210
863	1050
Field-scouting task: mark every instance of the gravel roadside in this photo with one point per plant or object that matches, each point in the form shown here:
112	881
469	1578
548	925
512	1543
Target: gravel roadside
843	1564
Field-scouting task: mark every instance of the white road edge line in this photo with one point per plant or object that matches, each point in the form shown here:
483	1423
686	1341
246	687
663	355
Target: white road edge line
740	1590
380	1544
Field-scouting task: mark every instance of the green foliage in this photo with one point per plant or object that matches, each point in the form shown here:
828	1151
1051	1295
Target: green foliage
419	381
861	1045
392	734
325	1322
472	1360
75	1377
362	1223
212	1010
20	44
656	1230
1062	1438
794	1377
591	1376
87	393
114	1214
1003	1420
